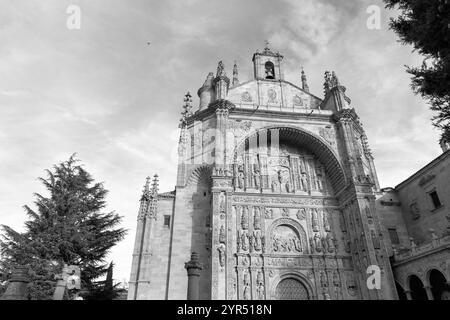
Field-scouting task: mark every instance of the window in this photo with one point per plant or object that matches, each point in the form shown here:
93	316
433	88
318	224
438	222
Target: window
394	236
435	199
270	70
167	221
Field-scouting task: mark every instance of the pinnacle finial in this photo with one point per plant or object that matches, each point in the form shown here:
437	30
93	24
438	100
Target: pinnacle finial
266	45
235	74
155	184
186	113
304	81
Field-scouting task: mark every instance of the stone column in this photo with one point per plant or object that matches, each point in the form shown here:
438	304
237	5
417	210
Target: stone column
408	295
17	288
193	268
429	292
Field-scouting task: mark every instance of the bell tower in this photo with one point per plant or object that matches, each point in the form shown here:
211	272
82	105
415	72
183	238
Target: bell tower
268	64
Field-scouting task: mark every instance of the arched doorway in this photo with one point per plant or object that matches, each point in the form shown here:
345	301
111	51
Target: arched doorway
291	289
417	290
439	286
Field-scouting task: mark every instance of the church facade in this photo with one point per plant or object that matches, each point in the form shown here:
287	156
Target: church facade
277	197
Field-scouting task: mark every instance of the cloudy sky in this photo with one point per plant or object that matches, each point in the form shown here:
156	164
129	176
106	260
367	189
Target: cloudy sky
103	92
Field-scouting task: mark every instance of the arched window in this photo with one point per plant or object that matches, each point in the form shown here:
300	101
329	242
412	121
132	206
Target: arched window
417	290
270	70
439	286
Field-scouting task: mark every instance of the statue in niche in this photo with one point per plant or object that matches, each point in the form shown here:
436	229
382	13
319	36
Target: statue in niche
238	242
259	277
304	182
346	245
244	218
222	207
319	179
326	223
330	242
247	291
301	214
336	281
315	219
221	250
263	243
275	186
368	212
268	214
257	178
257	240
222	237
257	218
260	291
375	240
250	242
323	280
297	245
244	241
317	242
241	177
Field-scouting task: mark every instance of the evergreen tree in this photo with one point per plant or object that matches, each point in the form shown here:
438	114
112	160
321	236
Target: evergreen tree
425	24
67	228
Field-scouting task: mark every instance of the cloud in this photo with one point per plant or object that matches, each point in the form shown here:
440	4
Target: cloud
106	94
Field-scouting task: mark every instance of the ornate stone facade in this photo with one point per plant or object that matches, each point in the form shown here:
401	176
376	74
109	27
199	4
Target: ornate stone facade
276	194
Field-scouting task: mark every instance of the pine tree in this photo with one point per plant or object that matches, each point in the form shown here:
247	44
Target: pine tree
425	24
67	228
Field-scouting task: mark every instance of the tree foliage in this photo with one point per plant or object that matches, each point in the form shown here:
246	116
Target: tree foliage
425	25
68	227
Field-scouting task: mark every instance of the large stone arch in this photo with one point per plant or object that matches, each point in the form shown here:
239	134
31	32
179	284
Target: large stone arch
296	226
314	143
292	274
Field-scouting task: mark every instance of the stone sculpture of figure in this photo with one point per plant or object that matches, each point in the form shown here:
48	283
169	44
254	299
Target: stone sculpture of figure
304	182
346	245
221	250
257	219
301	214
220	69
317	242
222	237
285	212
260	291
222	207
276	244
263	243
319	179
259	277
326	223
375	240
336	281
275	186
244	240
244	218
257	240
246	291
241	178
297	245
268	213
257	178
238	242
323	280
315	219
330	243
